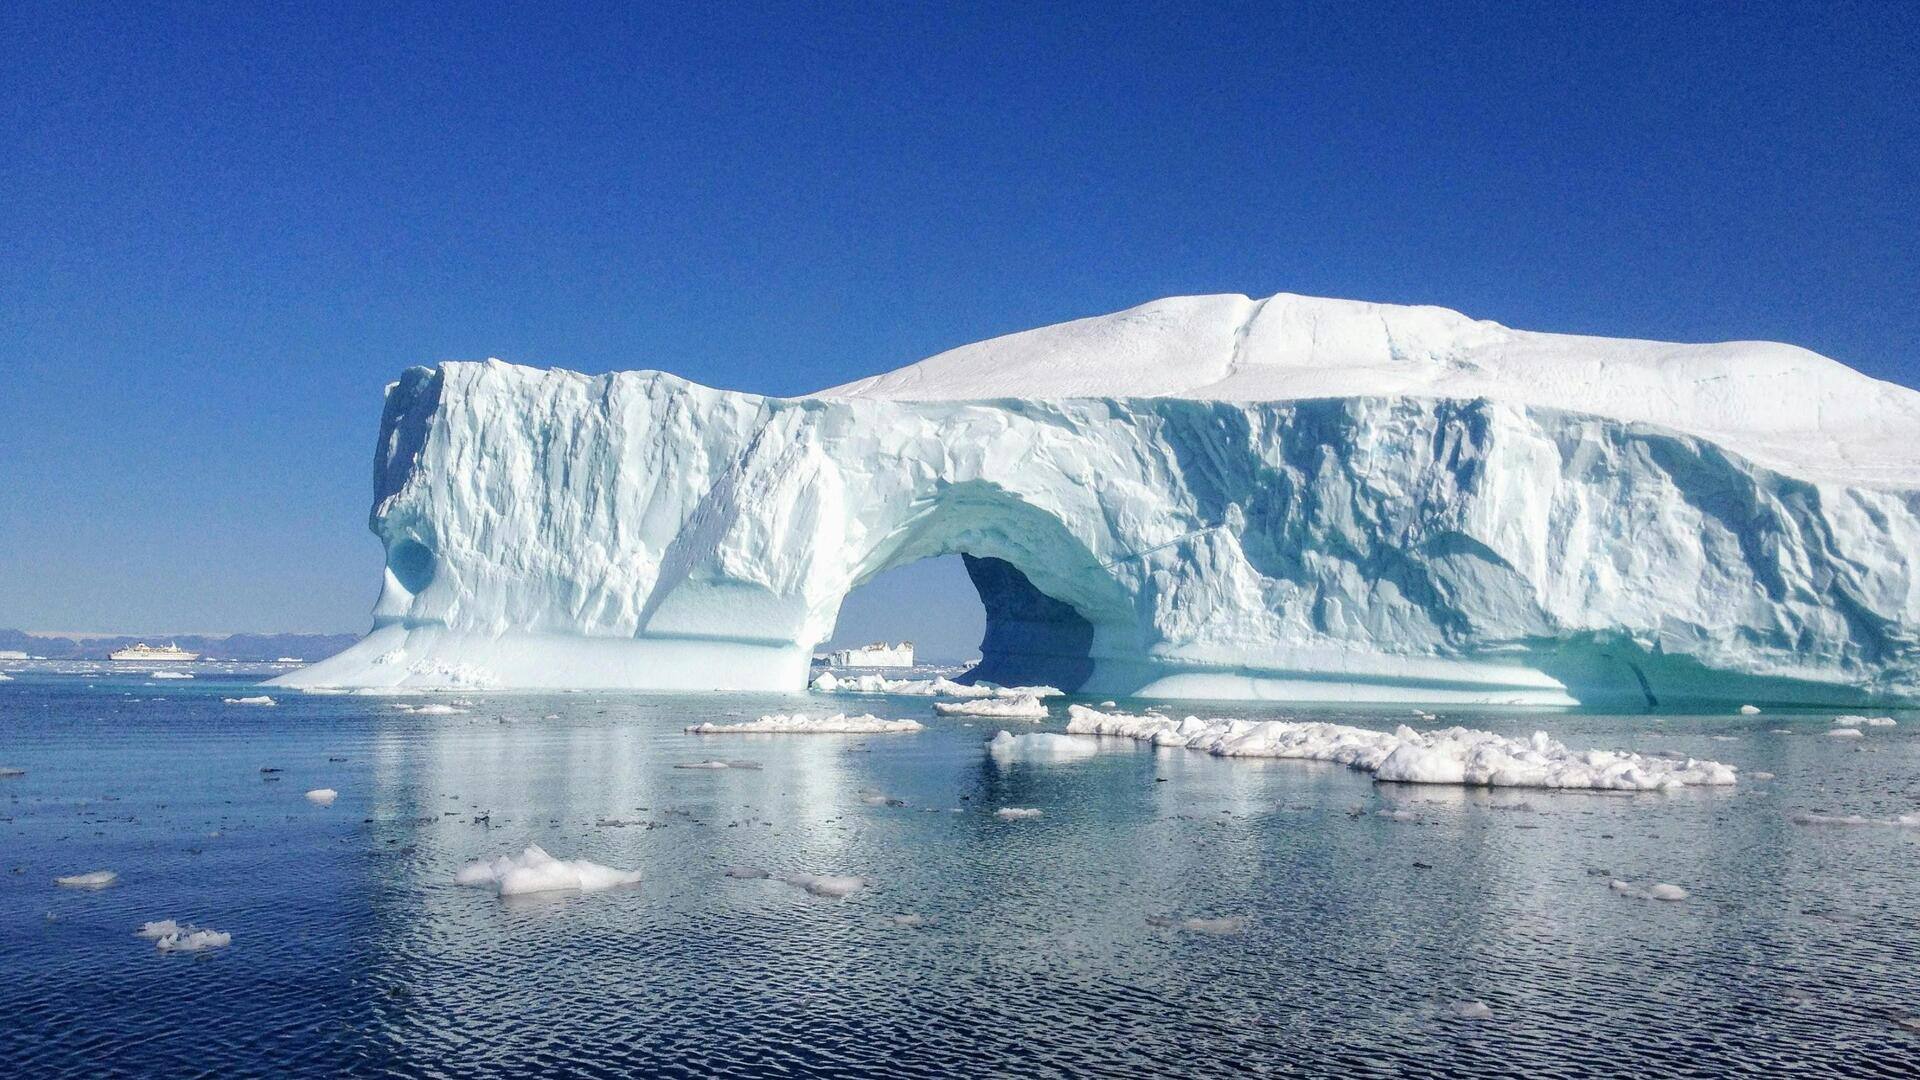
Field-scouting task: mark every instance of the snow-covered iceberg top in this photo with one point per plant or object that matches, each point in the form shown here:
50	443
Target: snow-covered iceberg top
802	724
1454	755
1778	402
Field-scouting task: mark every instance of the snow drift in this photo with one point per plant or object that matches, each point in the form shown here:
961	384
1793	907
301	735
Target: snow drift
1288	498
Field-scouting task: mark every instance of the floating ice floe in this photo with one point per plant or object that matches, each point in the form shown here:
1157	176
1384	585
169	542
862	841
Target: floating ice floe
1846	733
171	675
1471	1010
802	724
834	886
4	677
155	930
1900	821
912	921
535	871
8	772
1016	813
190	940
1024	707
1448	756
1657	891
261	699
1219	926
435	709
323	796
829	683
1749	710
95	879
1864	721
1040	746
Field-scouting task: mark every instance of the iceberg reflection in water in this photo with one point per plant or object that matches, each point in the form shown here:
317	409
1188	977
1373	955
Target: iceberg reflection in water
1169	912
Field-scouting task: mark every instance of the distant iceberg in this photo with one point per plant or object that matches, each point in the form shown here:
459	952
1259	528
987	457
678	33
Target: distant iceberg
1285	499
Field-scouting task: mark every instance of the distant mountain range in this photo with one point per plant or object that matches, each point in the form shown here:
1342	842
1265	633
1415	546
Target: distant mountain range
227	647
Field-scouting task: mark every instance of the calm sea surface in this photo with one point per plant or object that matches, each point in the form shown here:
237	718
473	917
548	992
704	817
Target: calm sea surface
354	953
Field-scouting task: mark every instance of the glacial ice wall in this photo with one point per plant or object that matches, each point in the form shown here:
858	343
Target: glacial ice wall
1357	502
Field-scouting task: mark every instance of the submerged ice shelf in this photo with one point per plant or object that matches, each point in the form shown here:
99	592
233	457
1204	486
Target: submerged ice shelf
1208	497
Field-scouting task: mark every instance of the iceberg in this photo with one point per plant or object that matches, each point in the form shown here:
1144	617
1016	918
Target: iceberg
1203	497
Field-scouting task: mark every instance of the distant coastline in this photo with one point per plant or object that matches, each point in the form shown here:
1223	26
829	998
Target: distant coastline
209	646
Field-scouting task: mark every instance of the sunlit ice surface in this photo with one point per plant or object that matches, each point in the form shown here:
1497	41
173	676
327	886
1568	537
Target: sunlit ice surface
1167	912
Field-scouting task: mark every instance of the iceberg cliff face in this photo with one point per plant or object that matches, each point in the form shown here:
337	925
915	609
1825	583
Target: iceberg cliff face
1203	497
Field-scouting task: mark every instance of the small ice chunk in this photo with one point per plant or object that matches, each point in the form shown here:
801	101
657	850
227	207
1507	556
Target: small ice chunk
193	941
802	724
1864	721
1760	774
438	709
1749	710
261	699
911	921
154	930
834	886
1016	813
1217	926
1899	821
171	675
8	772
1472	1010
1041	746
322	796
1846	733
1657	891
93	879
708	764
535	871
1024	707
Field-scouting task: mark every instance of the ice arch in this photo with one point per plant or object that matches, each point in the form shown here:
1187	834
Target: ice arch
1046	596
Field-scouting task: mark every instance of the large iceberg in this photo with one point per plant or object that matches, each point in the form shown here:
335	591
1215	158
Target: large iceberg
1210	497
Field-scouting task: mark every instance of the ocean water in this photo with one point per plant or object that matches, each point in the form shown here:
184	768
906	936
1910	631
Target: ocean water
354	953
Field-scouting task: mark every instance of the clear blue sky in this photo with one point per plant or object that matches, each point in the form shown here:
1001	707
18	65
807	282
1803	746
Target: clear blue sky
222	230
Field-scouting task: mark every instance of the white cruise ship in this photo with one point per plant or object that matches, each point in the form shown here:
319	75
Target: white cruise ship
144	651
